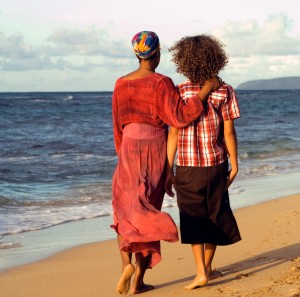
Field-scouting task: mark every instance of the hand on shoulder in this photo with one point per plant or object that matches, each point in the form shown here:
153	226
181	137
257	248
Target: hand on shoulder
213	83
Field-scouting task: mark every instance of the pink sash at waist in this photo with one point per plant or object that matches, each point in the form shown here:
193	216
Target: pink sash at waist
143	131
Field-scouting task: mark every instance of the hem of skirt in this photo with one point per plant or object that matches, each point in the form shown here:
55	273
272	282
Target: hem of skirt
219	243
144	239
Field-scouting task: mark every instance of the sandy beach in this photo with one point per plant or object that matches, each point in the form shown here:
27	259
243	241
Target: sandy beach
265	263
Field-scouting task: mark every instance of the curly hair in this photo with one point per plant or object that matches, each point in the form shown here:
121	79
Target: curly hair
199	57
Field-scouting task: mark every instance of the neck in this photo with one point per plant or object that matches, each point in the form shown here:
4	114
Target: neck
146	69
146	66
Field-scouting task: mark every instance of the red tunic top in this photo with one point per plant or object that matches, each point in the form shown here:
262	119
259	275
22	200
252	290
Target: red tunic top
152	100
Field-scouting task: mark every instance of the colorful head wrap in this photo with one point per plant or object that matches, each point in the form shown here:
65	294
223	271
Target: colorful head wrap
145	44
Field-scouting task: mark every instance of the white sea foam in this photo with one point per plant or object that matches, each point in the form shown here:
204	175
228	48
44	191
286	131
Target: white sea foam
243	155
41	100
14	220
169	201
9	245
235	189
17	159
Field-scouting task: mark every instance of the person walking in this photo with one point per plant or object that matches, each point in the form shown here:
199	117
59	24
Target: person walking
203	149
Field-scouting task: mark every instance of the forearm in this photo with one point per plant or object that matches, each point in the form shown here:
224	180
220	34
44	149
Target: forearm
209	85
231	144
171	148
204	93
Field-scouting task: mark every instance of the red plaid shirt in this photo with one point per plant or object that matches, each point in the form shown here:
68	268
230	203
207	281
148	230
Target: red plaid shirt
202	144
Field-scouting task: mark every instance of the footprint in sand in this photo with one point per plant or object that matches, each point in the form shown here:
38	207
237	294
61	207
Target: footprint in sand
227	290
242	275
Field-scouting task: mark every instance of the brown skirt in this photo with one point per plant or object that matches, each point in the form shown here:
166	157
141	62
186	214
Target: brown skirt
205	212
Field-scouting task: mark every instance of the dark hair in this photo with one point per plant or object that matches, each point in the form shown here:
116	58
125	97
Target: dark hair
199	57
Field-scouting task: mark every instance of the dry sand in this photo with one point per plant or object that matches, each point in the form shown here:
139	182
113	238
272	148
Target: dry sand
265	263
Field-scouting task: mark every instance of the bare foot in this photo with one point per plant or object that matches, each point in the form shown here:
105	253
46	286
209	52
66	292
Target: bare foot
123	285
142	289
199	281
214	274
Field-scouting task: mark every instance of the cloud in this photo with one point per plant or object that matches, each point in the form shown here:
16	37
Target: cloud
89	41
249	38
256	50
68	41
66	48
34	63
14	47
242	69
17	55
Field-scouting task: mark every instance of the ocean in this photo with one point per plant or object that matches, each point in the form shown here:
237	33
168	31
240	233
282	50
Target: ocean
57	158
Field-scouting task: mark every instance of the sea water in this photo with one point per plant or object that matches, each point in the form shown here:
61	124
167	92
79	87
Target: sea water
57	157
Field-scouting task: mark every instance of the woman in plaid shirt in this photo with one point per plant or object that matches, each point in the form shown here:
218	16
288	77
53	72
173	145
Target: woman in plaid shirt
203	148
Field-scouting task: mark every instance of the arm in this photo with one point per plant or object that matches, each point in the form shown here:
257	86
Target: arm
171	152
231	144
176	112
117	132
209	85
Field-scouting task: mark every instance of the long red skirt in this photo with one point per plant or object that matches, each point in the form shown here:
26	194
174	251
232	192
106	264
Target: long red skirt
138	192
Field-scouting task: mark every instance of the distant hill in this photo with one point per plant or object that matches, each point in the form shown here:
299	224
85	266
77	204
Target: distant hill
280	83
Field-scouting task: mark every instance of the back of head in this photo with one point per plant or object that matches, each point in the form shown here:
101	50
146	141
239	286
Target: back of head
199	57
145	44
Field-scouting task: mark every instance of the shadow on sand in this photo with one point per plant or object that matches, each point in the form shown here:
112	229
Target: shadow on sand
250	266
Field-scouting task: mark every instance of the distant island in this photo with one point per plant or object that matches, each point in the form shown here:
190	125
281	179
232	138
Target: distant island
280	83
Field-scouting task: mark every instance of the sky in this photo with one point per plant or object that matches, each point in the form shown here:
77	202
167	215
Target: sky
64	45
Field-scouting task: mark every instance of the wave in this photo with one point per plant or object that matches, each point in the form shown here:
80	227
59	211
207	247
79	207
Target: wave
16	157
13	220
70	97
17	217
268	164
41	100
260	170
262	153
9	245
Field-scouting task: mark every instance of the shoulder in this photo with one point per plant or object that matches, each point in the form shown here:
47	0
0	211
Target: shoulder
187	88
163	80
118	82
231	95
162	77
184	84
224	92
229	88
225	88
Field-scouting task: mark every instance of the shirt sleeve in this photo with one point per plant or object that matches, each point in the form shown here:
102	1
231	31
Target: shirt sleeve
116	127
171	109
230	109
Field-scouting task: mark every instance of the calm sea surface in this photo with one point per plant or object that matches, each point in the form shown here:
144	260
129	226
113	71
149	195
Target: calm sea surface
57	154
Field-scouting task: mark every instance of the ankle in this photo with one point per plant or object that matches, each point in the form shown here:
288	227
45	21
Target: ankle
124	265
208	268
201	278
202	271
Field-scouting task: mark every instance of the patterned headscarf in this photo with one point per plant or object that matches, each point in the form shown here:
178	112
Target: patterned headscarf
145	44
